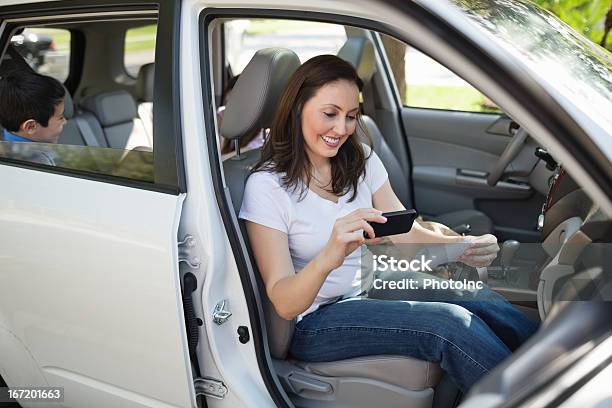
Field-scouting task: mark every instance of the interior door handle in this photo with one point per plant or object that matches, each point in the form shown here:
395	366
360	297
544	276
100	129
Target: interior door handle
475	178
472	173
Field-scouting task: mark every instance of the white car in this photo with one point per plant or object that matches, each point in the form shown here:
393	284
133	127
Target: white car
126	280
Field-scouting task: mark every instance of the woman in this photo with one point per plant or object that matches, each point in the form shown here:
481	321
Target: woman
308	202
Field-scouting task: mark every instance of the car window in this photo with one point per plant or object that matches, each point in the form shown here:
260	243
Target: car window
138	48
424	83
306	38
101	129
46	50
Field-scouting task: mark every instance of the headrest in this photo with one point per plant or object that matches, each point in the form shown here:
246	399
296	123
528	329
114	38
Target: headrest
359	52
145	81
252	102
68	105
111	108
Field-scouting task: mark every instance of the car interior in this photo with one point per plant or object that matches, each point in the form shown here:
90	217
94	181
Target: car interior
502	183
474	172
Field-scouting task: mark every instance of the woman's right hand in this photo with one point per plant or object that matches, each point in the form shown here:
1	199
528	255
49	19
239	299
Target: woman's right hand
347	235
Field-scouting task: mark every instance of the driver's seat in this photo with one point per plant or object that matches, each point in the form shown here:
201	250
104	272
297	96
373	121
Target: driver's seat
380	380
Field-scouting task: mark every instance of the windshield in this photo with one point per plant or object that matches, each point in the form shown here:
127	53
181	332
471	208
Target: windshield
578	69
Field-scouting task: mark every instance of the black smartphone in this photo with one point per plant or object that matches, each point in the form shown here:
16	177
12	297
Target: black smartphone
398	222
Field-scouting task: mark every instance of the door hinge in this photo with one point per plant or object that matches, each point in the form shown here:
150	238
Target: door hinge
184	254
221	313
210	387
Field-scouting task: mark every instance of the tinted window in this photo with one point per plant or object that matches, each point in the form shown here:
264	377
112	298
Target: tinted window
101	130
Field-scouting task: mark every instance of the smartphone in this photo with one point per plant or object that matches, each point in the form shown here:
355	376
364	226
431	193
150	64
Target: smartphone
398	222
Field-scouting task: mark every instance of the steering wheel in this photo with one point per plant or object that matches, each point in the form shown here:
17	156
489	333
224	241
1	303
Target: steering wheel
512	150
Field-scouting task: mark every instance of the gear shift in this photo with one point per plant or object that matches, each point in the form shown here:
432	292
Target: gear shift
507	252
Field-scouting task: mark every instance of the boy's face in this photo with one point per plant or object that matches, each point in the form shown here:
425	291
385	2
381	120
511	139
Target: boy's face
46	134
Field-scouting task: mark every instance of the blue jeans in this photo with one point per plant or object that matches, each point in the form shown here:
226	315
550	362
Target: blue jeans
468	334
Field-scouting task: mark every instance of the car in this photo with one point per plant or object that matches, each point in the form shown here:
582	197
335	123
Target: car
33	47
126	279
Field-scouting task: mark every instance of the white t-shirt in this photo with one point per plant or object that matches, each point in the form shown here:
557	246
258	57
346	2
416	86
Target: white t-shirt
308	223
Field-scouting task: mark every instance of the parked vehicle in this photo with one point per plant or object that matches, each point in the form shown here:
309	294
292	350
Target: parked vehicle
126	279
33	47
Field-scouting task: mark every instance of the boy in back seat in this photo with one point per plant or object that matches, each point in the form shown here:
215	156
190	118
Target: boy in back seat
31	107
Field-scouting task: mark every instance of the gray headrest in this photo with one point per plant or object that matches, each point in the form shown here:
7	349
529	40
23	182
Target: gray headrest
68	105
111	108
252	102
144	83
359	52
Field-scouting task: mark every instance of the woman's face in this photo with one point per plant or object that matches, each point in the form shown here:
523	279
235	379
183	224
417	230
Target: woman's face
329	118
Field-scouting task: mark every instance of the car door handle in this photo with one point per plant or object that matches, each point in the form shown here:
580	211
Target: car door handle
475	178
472	173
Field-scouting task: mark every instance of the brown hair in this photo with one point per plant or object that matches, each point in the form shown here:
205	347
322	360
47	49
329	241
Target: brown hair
285	152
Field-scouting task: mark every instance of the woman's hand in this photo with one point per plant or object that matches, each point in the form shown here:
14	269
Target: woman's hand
347	235
481	252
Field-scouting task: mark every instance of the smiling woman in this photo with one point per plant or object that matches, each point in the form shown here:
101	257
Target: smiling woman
298	140
317	234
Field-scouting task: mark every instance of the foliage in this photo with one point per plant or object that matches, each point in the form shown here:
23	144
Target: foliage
585	16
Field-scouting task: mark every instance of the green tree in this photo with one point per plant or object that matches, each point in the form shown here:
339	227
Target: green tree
588	17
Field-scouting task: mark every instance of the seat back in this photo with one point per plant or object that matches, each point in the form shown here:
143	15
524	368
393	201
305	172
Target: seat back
144	92
359	52
251	105
81	128
397	178
117	114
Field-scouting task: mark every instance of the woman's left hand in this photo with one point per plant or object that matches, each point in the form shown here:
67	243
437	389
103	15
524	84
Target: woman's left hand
481	252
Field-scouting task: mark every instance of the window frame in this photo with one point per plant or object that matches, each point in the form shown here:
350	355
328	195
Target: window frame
169	176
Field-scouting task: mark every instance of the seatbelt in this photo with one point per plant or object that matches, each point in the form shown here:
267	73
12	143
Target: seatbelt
86	132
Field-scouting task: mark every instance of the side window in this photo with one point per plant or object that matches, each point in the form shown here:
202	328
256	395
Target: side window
307	39
102	127
46	50
139	48
424	83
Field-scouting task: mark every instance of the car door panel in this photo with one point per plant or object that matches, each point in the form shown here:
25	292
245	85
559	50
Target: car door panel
461	130
90	288
452	152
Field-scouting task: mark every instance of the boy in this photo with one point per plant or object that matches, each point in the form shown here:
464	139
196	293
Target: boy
31	107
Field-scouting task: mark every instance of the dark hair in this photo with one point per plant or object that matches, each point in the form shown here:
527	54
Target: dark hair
285	152
28	95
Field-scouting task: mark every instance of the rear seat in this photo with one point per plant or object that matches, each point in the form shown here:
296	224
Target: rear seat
117	115
81	128
144	93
